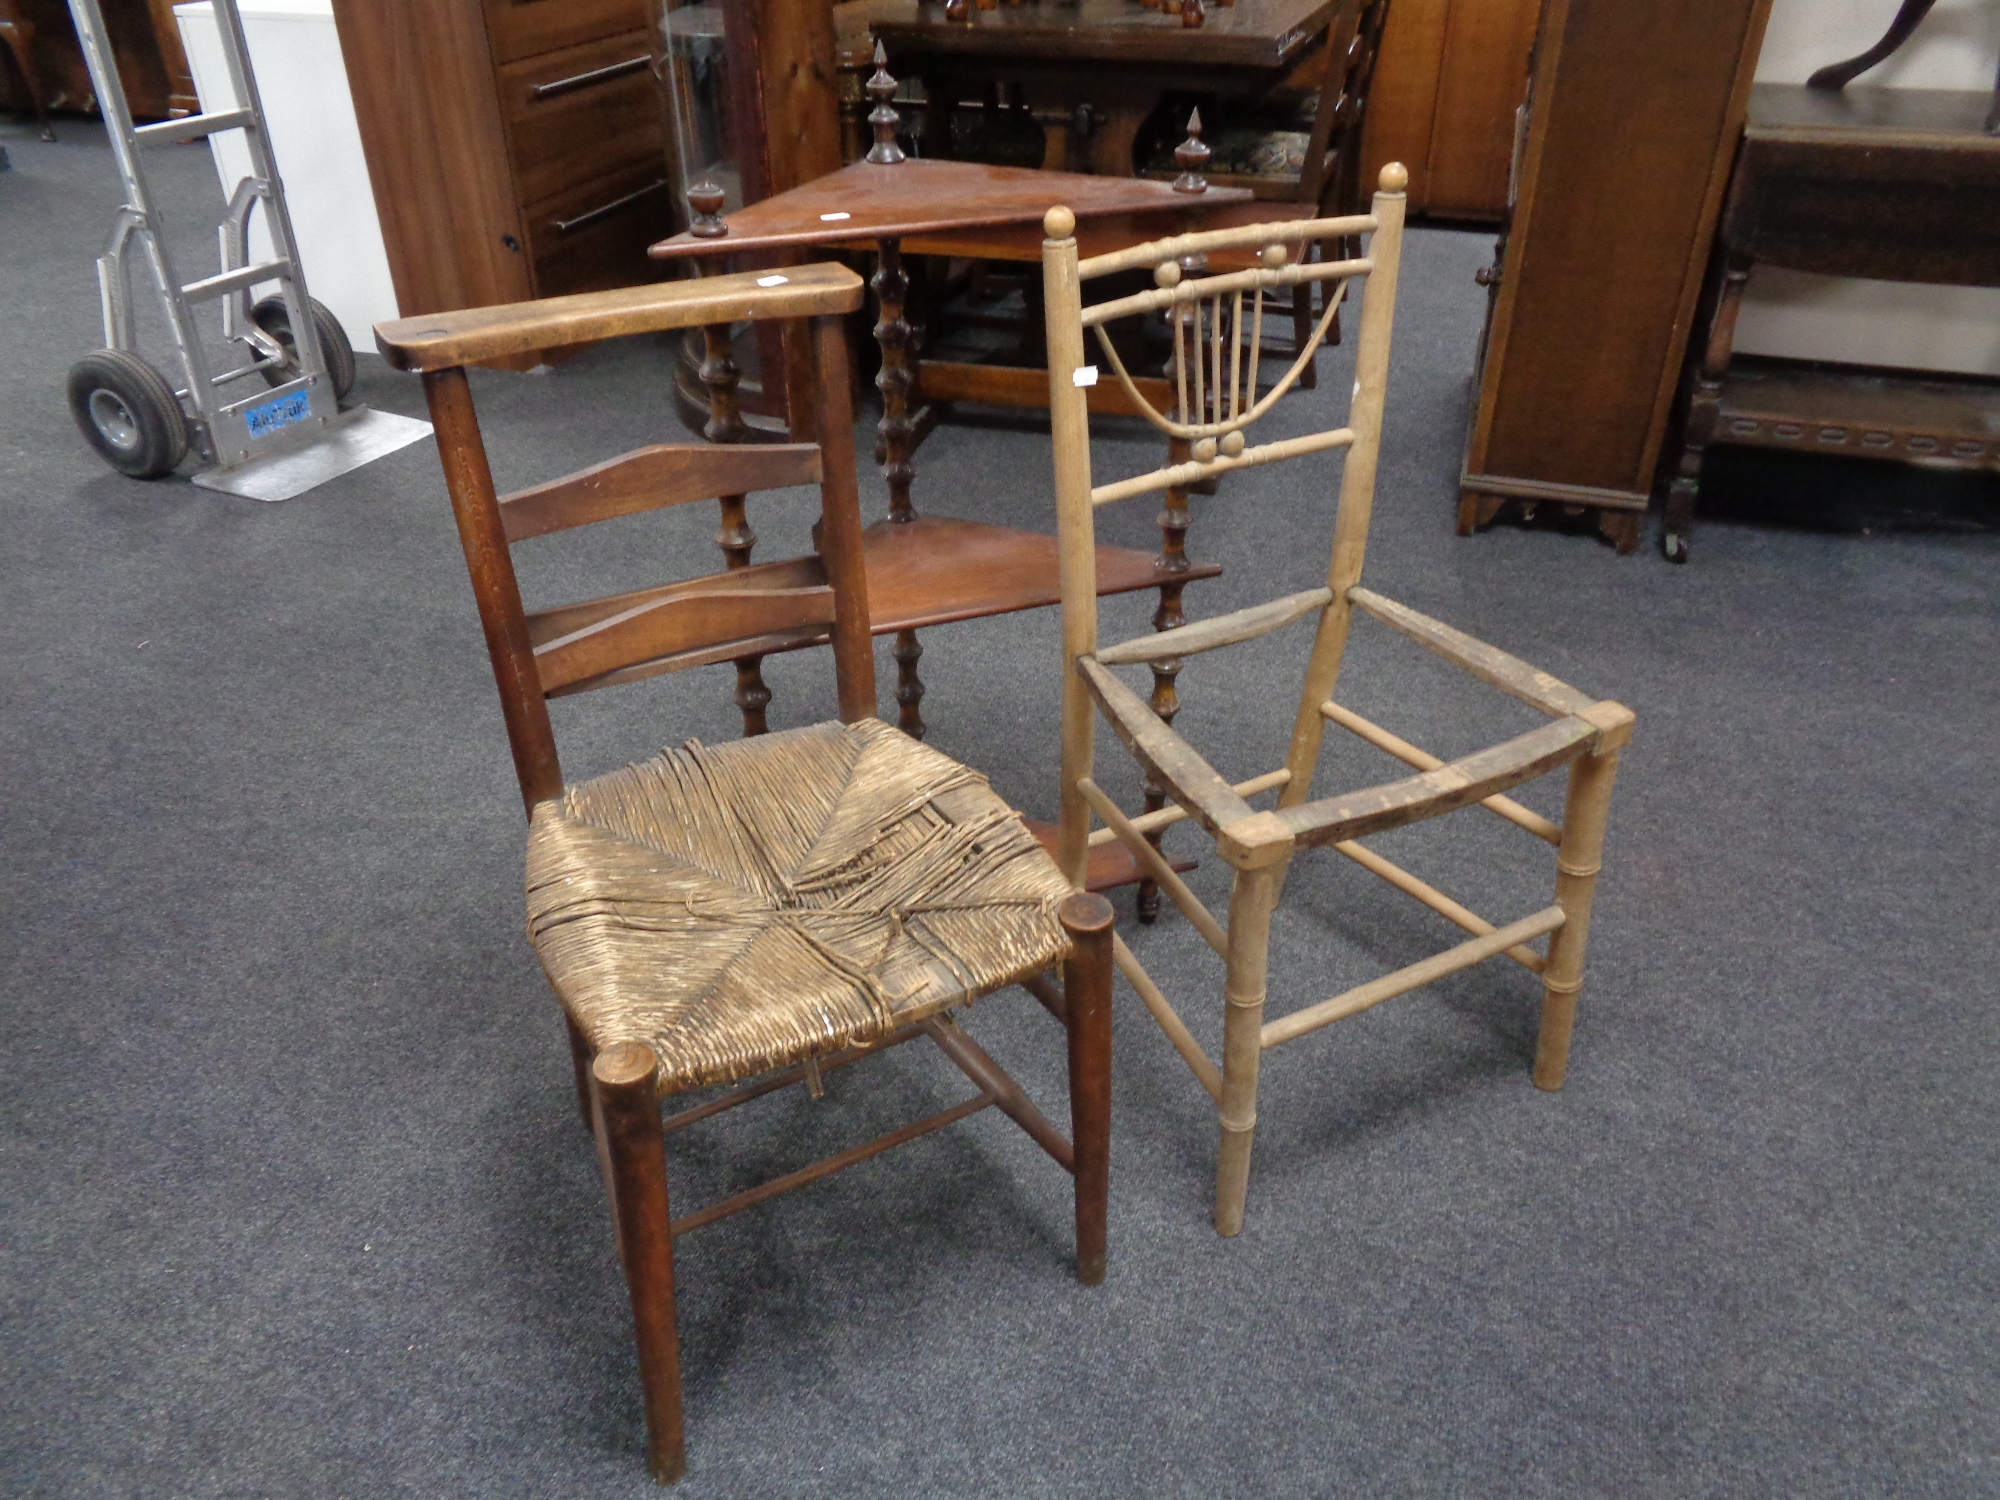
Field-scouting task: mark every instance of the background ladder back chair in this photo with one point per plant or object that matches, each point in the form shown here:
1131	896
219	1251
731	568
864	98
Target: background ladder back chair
771	908
1585	734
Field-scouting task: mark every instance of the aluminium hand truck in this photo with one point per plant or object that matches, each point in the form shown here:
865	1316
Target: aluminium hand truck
143	423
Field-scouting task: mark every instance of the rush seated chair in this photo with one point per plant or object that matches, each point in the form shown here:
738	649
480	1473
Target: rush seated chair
1585	733
769	909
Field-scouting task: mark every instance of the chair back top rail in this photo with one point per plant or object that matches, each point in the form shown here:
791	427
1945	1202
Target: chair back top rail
437	341
1201	241
654	478
1256	279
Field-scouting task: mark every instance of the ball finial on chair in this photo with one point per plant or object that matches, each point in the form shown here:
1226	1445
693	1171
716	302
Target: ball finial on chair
1058	223
1274	257
1395	177
1167	274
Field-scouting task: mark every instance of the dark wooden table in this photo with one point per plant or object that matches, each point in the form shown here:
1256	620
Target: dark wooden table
1887	184
1092	71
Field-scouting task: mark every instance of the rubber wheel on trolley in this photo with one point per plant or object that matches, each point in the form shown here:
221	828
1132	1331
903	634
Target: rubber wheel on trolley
128	413
335	352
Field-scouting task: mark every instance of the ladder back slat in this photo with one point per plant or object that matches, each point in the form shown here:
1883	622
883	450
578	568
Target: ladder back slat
681	623
652	479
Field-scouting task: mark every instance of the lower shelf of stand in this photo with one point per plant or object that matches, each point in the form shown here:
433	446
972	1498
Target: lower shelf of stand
1110	865
934	570
1858	410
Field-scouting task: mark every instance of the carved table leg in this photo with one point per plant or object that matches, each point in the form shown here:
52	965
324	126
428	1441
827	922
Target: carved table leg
891	285
1704	406
909	687
725	425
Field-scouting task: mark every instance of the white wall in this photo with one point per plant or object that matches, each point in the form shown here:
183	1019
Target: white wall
295	56
1876	322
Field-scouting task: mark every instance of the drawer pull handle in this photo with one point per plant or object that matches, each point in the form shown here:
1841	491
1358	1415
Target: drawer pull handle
586	80
605	210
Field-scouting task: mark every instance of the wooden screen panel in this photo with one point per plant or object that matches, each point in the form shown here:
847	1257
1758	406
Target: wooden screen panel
1637	109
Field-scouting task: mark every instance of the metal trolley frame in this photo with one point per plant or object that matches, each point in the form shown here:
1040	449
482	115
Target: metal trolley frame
297	349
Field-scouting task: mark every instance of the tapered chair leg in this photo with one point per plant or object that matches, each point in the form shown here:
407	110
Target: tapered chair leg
625	1083
1585	811
1087	1003
580	1059
1251	898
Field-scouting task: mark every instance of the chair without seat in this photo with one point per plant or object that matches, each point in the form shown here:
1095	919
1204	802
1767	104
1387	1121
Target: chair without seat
1584	734
759	913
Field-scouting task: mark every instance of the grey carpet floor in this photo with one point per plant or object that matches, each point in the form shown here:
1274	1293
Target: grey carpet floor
293	1201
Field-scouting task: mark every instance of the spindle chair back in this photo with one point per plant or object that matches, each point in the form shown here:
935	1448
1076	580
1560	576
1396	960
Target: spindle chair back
1218	401
760	913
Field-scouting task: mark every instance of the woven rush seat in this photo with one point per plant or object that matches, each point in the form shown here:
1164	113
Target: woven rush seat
747	906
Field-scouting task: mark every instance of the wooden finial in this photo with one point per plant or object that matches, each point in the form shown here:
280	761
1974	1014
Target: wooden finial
882	88
1058	223
1395	177
705	198
958	10
1191	155
1193	12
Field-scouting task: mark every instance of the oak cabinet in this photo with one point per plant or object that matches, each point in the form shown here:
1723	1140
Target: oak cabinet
518	148
1451	76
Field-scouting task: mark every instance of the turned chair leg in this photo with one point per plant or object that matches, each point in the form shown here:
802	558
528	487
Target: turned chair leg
1087	919
1585	811
625	1082
1251	898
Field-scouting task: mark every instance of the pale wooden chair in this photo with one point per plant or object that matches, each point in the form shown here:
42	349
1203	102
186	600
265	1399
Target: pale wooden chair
1219	400
766	910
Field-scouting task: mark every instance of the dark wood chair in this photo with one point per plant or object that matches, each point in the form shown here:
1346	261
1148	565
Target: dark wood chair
1586	734
755	914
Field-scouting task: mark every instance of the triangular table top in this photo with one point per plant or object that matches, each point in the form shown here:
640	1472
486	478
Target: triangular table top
867	201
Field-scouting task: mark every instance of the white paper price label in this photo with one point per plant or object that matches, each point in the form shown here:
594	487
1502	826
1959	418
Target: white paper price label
1087	375
772	280
834	218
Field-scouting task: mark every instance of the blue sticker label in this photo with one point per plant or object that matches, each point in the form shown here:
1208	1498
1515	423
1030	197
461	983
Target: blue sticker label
283	412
